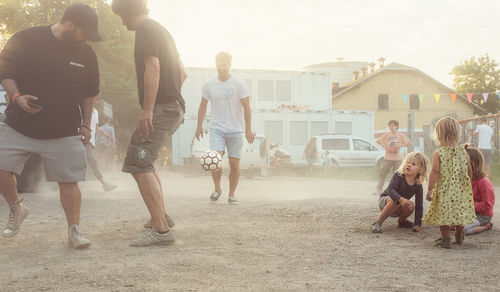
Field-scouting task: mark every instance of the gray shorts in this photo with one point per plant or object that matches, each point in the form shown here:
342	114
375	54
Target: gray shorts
63	158
142	151
382	201
233	141
487	155
481	220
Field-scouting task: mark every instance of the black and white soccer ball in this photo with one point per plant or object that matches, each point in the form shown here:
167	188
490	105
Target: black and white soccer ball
211	161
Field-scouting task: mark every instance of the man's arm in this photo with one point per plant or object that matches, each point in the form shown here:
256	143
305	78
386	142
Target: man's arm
86	106
151	84
247	112
202	111
183	71
18	98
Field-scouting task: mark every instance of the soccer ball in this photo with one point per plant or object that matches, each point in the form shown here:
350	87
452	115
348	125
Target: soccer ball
211	161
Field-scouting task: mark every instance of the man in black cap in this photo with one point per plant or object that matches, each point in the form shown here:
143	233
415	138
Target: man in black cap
52	77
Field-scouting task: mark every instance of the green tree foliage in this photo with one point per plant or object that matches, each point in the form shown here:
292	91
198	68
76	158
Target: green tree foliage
479	75
115	53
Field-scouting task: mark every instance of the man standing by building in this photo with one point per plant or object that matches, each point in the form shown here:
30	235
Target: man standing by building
230	99
52	76
160	75
392	142
484	134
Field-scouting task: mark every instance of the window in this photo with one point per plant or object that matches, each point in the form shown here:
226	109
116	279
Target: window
248	82
335	144
299	134
275	130
414	102
283	90
265	90
343	128
383	101
318	128
361	145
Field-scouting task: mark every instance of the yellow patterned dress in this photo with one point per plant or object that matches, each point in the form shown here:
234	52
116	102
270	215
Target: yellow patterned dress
452	201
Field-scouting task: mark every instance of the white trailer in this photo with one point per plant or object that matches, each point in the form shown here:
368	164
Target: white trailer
290	106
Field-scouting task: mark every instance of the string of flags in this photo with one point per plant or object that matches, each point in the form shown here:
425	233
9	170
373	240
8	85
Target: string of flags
453	96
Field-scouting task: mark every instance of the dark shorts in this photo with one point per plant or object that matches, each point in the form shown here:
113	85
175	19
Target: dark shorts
487	155
142	151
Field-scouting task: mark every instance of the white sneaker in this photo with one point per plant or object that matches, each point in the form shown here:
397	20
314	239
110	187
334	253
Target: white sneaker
75	239
18	212
153	237
107	187
232	201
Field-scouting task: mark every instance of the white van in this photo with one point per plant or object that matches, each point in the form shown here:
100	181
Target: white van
347	150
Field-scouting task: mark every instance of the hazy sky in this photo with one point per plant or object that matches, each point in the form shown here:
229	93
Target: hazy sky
433	35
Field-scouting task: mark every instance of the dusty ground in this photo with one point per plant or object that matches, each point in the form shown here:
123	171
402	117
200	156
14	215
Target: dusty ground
288	234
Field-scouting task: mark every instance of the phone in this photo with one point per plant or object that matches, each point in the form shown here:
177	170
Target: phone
32	104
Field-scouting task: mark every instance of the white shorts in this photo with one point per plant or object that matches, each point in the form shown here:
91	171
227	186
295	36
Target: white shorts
63	158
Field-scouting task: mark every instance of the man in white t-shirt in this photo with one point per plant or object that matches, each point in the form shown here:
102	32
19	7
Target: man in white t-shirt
89	148
230	99
484	134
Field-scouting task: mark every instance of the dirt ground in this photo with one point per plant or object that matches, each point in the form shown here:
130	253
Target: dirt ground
288	234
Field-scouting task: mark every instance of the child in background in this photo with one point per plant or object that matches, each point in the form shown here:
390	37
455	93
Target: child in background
327	162
483	192
405	183
450	190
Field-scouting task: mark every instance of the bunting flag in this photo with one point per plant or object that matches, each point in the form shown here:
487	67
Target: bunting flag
485	96
421	97
436	96
453	97
405	98
469	96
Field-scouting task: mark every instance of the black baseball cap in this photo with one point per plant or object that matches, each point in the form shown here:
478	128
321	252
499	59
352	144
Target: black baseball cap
86	18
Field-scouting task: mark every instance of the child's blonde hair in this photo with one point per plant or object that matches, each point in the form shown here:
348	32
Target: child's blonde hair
423	162
447	132
476	162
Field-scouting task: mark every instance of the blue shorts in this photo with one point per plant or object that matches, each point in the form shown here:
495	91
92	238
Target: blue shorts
233	141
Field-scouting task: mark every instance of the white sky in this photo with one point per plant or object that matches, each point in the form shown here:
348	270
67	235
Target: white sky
432	35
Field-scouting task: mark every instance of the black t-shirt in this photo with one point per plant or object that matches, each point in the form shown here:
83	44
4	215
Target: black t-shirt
59	74
152	39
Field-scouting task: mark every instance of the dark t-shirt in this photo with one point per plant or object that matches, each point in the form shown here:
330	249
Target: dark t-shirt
398	187
59	74
152	39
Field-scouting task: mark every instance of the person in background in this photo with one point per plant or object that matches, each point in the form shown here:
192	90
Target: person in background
484	134
106	145
392	142
310	154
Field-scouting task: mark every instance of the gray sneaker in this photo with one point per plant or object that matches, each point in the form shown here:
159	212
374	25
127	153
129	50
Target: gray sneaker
18	212
377	227
232	201
170	222
75	239
107	187
152	237
215	196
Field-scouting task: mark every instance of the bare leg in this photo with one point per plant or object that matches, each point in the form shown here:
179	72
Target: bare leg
479	229
405	212
71	201
152	196
234	175
445	230
217	176
157	177
390	208
8	187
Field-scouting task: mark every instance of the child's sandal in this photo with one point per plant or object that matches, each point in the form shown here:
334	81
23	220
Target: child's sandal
443	242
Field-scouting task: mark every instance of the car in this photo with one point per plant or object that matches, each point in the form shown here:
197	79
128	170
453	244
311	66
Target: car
347	150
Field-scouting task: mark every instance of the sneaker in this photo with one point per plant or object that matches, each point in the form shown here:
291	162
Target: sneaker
170	222
18	212
75	239
215	196
232	201
152	237
443	242
405	224
108	187
377	227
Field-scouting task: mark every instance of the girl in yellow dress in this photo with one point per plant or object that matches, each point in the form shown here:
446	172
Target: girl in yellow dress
450	190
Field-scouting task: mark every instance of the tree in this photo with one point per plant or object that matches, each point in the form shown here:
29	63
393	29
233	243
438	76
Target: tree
479	75
115	53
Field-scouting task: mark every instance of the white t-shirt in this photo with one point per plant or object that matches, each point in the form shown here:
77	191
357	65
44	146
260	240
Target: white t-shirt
484	133
93	125
226	108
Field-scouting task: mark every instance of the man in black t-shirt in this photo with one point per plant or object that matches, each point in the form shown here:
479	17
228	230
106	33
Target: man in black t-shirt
52	76
160	75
